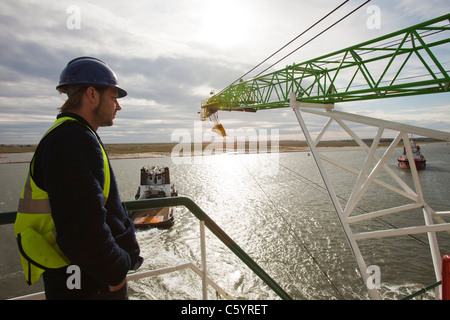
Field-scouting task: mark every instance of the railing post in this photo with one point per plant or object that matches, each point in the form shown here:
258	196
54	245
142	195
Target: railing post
203	251
446	277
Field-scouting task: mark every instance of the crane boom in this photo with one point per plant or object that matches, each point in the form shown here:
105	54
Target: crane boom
398	64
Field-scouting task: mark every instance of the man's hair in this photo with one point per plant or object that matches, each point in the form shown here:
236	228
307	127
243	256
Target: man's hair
75	95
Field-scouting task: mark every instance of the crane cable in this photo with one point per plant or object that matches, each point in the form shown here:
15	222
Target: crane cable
347	15
219	127
273	54
308	29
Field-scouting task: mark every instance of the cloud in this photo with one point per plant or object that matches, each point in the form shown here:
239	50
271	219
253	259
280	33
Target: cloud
168	55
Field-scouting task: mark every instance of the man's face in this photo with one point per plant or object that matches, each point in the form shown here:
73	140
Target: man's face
107	107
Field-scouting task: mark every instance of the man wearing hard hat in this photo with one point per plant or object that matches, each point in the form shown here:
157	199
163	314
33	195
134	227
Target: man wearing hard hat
71	226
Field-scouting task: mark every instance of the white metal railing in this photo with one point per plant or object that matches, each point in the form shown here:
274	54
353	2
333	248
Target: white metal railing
205	221
151	273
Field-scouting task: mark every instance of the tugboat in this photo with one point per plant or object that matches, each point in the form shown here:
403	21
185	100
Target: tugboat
155	183
419	159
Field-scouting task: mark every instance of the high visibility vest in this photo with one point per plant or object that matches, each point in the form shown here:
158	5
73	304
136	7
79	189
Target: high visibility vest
34	227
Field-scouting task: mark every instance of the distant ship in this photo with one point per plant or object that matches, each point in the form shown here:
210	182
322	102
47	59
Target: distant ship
419	159
155	183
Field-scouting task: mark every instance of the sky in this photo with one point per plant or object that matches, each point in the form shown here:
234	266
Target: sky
169	55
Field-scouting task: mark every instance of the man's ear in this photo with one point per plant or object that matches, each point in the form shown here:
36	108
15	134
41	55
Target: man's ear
92	95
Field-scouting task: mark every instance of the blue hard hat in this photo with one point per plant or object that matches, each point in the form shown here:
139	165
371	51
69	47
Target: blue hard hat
89	71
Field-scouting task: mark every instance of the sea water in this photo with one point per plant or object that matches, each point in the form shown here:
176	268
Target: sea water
276	208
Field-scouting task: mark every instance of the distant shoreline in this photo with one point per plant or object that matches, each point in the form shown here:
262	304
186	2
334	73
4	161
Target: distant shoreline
161	150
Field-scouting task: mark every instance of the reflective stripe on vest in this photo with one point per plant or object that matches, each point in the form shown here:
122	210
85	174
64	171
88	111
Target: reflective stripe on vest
34	227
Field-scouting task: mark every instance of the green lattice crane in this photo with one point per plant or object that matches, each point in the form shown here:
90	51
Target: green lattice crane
404	63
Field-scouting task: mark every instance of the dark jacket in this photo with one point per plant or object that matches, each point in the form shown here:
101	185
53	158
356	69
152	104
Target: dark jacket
99	239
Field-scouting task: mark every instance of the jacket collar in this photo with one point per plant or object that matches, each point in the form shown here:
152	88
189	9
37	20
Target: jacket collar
79	118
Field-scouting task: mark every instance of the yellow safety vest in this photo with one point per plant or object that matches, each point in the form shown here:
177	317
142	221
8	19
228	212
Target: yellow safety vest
34	227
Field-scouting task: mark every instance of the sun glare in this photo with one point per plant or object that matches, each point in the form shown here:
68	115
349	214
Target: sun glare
223	23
